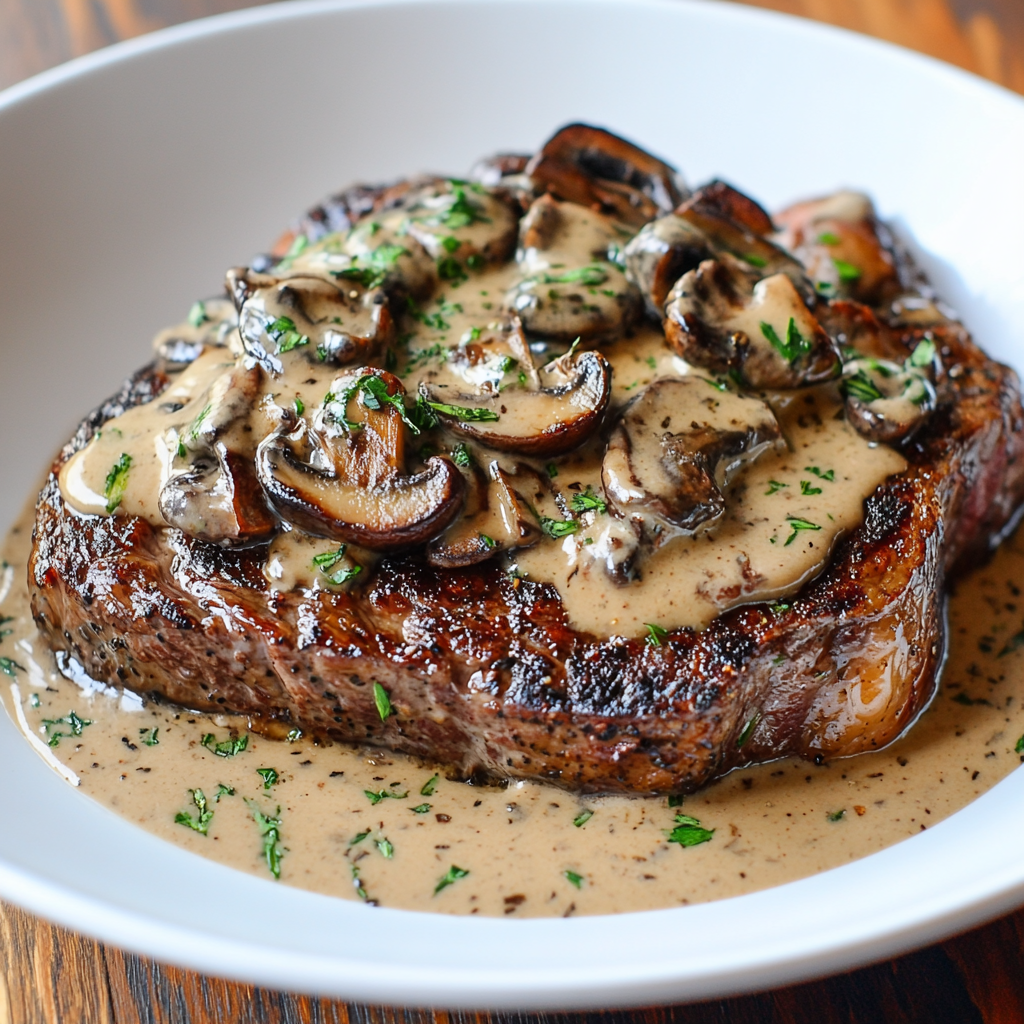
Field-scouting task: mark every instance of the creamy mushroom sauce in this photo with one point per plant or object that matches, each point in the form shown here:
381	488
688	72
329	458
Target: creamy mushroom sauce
530	849
819	479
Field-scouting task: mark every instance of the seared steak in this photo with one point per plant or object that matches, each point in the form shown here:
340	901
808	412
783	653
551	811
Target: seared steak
484	672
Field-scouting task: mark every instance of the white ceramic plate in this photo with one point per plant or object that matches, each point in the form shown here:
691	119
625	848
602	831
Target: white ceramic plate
130	179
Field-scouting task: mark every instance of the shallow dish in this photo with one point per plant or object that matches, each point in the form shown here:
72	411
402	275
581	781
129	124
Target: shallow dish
131	178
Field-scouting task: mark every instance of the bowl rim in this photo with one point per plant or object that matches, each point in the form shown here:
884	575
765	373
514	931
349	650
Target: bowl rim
924	907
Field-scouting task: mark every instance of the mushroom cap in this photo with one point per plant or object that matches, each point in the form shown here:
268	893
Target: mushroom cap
716	318
539	423
885	401
593	167
676	447
343	477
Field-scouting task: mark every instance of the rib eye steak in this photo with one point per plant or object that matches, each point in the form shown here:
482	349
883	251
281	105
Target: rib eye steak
481	667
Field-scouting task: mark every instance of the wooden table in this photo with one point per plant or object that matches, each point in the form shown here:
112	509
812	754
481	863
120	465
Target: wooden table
52	975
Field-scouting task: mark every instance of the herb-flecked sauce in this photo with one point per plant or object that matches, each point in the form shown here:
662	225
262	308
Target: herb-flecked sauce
364	824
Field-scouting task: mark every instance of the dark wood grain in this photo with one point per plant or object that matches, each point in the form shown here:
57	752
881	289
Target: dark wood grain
52	976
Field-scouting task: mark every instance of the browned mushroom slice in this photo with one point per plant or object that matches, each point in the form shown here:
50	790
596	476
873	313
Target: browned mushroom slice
732	203
332	321
550	420
765	333
344	477
885	401
488	361
660	253
678	444
211	491
570	287
594	168
502	523
846	249
734	237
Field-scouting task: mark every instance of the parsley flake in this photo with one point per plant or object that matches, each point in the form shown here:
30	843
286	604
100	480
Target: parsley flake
923	354
387	851
149	737
583	817
688	831
117	482
225	748
806	487
775	486
796	524
848	273
270	830
795	345
382	699
199	822
268	775
557	528
428	787
382	794
829	475
573	878
588	502
836	815
450	878
9	667
656	635
71	720
197	314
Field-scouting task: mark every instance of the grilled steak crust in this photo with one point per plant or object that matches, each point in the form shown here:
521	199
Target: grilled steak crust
485	673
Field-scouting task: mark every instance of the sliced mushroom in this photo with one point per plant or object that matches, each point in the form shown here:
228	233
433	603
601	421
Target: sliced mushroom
677	446
502	522
344	476
324	320
570	287
211	491
706	211
594	168
765	333
540	422
208	325
732	203
846	249
487	362
885	401
660	253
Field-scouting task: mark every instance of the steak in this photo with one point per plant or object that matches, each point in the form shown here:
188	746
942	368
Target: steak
486	675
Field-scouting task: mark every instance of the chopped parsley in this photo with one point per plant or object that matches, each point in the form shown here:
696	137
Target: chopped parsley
357	884
326	561
9	667
223	790
656	635
450	878
795	345
428	787
461	456
848	273
774	486
420	808
557	528
584	275
461	412
387	851
450	269
149	737
382	699
689	831
358	838
488	542
268	775
675	800
225	748
829	238
199	822
270	830
829	475
382	794
573	878
923	354
836	815
285	334
117	482
748	730
300	405
463	211
71	720
806	487
588	502
197	314
34	700
294	735
796	524
196	425
373	393
377	263
552	470
583	817
718	385
861	386
1019	748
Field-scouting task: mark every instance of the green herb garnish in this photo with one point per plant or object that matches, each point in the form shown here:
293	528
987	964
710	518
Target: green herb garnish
588	502
451	877
373	393
806	487
656	635
117	482
428	787
223	790
382	699
747	731
270	830
573	878
149	737
583	817
829	475
420	808
285	334
383	794
557	528
848	273
461	456
383	844
829	238
268	775
358	838
862	387
775	486
197	314
300	405
552	470
461	412
71	720
923	354
584	275
836	815
199	822
689	831
796	524
226	748
795	345
9	667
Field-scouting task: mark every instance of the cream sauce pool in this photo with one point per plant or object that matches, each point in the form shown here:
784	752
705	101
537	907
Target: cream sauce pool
372	825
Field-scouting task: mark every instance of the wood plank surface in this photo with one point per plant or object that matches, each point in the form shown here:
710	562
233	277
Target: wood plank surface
52	976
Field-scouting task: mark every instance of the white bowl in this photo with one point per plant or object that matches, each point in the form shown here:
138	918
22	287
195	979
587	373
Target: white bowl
130	179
